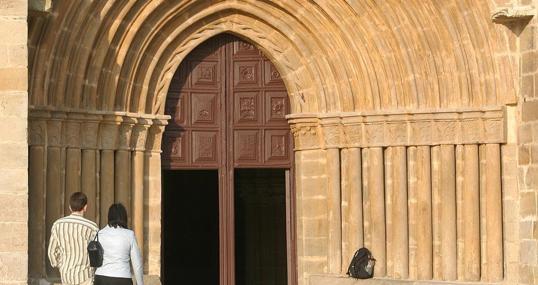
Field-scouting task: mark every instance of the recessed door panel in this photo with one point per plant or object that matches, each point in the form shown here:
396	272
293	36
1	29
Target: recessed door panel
226	96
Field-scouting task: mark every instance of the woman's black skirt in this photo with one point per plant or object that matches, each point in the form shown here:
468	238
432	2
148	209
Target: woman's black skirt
105	280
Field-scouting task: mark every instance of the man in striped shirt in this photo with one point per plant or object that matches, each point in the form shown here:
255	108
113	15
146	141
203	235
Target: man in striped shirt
69	239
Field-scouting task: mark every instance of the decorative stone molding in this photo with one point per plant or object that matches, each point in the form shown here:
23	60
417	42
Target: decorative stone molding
505	15
153	142
36	132
139	134
90	132
95	130
306	133
465	126
332	132
108	138
55	129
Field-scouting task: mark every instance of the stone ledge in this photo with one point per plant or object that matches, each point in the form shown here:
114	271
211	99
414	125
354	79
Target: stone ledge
344	280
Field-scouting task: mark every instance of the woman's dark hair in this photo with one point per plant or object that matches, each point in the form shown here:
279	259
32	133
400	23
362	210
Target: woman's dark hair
117	216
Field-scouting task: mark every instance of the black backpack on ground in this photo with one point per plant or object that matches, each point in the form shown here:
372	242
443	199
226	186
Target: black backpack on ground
362	264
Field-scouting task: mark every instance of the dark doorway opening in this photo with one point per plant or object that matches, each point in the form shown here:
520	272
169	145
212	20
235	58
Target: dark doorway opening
260	227
190	233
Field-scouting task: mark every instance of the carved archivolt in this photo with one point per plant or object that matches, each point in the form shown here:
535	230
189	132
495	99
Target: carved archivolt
471	126
334	56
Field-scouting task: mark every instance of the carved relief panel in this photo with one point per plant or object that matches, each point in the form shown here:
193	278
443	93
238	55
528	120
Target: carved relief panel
227	100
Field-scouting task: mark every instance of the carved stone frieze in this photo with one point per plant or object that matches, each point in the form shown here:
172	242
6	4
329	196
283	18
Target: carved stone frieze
468	126
95	130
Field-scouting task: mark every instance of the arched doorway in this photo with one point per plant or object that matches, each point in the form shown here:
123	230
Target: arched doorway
227	163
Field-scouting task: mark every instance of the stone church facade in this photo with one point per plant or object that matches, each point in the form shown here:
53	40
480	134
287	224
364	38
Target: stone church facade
414	127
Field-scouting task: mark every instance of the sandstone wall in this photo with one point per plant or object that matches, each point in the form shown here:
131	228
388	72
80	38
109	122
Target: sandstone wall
13	145
528	153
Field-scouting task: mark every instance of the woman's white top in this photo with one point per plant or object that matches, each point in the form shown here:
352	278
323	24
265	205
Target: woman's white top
120	247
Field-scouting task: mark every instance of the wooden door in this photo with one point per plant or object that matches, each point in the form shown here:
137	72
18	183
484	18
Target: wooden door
228	106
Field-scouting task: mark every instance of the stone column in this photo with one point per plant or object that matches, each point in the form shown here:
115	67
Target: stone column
73	160
138	142
374	207
335	215
36	199
396	212
152	199
352	231
444	207
108	141
54	182
470	215
90	165
332	137
491	205
420	213
122	169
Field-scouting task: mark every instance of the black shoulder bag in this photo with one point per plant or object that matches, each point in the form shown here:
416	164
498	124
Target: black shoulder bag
95	252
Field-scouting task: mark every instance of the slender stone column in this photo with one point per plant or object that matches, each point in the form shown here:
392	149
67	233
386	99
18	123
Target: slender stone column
90	165
108	141
54	183
470	215
445	239
352	231
122	170
491	204
73	161
152	198
374	207
396	207
335	216
420	213
36	198
138	141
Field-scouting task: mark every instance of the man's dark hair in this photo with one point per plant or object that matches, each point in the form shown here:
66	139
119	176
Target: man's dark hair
77	201
117	216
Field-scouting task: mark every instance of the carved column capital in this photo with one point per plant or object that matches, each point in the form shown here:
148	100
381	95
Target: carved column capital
109	129
126	129
139	134
332	132
37	131
55	127
90	131
306	134
153	142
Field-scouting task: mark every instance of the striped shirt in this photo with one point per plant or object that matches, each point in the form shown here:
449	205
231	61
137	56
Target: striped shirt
69	239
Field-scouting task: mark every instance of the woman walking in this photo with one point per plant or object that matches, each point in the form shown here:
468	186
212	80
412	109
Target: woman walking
120	247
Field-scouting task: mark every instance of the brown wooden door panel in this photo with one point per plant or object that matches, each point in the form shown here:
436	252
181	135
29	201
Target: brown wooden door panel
227	104
226	96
